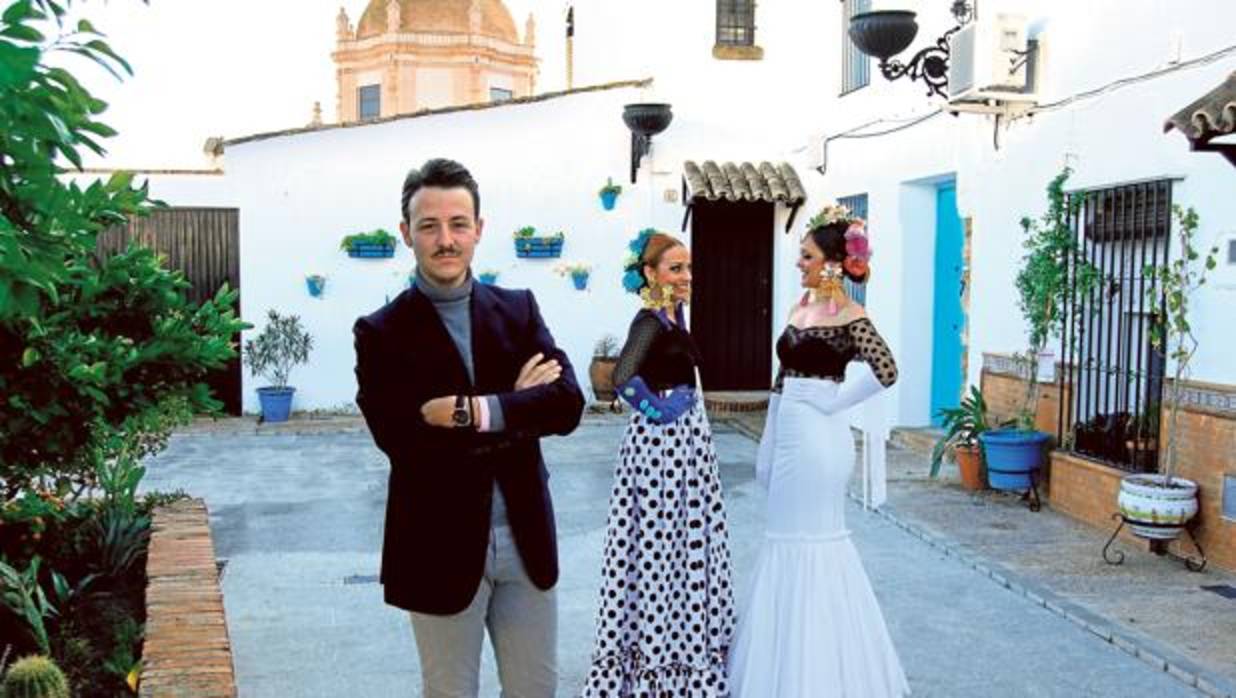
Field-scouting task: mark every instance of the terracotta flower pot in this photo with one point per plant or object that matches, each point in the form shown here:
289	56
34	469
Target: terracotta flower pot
970	463
601	374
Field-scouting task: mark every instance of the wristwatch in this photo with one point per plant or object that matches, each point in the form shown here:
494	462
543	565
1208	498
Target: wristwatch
462	416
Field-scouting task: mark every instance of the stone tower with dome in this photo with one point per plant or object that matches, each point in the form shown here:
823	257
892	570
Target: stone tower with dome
406	55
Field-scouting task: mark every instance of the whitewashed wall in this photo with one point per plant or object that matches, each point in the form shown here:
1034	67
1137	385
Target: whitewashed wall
541	164
1109	140
1114	139
538	164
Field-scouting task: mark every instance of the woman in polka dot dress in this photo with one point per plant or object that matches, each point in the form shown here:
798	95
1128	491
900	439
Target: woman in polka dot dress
666	613
811	626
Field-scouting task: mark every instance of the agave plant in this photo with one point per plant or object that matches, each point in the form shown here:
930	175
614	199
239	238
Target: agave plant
963	425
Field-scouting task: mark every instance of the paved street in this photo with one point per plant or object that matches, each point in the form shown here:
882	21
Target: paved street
298	519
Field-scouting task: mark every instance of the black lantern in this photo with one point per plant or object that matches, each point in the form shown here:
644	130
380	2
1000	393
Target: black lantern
645	121
886	33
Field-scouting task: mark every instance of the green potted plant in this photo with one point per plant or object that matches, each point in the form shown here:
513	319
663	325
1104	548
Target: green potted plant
529	244
1014	454
273	353
488	276
963	425
578	271
601	370
609	193
1157	506
375	244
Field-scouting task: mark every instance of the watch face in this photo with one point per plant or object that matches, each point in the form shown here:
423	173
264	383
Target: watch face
460	417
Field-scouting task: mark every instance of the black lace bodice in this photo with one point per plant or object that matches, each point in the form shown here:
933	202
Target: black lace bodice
664	357
823	352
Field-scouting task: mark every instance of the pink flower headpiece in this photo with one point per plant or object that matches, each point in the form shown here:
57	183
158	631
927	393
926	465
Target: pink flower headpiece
856	240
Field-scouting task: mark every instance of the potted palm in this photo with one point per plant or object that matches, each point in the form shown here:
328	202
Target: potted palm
1157	506
1014	453
273	353
963	425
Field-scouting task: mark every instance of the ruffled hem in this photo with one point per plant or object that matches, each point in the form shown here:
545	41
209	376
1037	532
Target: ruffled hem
629	673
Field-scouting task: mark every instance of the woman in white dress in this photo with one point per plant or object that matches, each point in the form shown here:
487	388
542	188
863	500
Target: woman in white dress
811	626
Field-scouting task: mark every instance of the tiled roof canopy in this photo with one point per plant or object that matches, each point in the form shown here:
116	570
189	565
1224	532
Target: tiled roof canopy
743	182
1211	116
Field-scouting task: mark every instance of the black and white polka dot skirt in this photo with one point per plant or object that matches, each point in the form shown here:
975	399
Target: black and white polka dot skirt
666	614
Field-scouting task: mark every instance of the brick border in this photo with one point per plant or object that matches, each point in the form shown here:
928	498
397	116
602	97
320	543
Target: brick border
187	651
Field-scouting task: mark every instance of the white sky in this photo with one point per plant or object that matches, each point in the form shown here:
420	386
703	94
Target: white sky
234	67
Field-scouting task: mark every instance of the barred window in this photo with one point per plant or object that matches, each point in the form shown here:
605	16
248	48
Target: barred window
370	102
858	208
1116	374
499	94
855	66
736	22
1131	212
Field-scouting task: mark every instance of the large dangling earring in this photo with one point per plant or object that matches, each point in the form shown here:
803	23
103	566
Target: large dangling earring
830	289
661	297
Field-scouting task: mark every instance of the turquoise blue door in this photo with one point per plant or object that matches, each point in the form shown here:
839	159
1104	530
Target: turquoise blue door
948	316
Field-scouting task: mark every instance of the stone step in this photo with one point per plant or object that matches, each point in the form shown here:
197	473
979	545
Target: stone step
729	402
919	440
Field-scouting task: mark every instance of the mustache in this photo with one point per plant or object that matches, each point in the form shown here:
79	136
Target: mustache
446	252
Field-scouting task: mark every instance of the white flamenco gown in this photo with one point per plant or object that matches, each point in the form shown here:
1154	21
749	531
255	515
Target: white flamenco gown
811	627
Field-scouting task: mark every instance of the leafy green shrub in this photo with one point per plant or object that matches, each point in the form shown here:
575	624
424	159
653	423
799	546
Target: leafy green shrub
278	348
100	358
1051	254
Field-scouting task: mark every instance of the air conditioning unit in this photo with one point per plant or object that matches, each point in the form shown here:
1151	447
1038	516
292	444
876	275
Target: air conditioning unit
990	61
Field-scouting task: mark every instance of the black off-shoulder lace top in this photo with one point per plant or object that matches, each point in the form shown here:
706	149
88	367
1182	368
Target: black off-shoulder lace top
823	352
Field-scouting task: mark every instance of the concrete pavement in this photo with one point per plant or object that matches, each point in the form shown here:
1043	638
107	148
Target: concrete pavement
298	518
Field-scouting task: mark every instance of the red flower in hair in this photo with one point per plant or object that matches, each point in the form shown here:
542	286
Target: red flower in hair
856	267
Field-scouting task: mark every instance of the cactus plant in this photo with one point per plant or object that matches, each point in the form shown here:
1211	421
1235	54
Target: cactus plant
34	677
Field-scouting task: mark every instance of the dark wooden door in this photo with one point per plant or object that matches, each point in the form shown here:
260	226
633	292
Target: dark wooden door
731	315
204	244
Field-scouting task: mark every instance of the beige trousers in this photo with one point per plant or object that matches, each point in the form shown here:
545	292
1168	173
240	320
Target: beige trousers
523	628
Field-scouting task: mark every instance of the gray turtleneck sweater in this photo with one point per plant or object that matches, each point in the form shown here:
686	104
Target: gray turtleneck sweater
454	306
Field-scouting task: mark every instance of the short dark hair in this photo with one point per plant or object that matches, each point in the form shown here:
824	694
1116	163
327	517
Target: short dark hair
442	173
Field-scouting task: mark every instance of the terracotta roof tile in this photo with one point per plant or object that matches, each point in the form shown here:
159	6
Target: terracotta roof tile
744	182
1214	114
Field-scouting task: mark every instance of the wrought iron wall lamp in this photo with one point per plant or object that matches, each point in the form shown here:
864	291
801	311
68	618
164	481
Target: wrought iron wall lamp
645	121
885	33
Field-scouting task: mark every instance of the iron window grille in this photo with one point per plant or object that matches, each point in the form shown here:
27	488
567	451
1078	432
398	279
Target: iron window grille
1113	378
736	22
855	66
500	94
1128	213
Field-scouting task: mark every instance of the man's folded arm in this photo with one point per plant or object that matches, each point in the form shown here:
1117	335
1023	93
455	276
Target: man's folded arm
552	408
